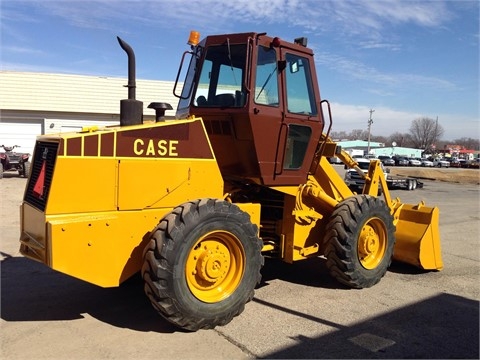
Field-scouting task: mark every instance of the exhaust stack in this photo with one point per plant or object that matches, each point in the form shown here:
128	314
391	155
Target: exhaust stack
131	110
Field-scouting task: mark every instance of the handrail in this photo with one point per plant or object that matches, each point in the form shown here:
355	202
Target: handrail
178	75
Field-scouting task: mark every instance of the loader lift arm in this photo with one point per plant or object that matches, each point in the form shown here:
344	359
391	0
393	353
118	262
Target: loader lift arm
417	236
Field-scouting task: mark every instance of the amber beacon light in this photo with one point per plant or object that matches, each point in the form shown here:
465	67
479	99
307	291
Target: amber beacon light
194	38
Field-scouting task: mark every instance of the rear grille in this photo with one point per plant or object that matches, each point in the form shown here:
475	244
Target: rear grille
14	158
44	152
218	127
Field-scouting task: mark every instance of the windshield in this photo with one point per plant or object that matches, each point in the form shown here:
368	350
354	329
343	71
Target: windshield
222	77
266	83
363	165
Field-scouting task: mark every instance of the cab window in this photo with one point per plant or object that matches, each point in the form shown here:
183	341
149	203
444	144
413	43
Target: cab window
299	89
222	77
266	79
297	143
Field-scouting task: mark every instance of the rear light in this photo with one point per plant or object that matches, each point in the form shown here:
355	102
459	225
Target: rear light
276	42
25	156
41	175
3	156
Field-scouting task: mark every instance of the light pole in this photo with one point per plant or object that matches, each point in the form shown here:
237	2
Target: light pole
370	121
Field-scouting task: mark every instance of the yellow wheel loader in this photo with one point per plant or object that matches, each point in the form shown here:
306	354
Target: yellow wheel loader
195	203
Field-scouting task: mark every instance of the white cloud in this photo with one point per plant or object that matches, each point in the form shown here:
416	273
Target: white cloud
424	13
360	71
385	121
372	44
361	17
23	50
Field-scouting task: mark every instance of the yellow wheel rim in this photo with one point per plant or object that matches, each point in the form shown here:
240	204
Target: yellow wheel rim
215	266
372	243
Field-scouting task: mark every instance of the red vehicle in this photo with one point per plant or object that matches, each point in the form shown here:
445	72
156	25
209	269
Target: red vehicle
474	164
457	163
14	161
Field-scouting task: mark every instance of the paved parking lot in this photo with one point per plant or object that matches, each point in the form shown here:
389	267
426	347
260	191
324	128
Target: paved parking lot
298	310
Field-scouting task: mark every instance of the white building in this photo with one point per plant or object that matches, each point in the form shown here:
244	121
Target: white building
42	103
355	147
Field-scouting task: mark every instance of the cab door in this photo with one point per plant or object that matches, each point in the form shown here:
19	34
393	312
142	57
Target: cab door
285	117
302	123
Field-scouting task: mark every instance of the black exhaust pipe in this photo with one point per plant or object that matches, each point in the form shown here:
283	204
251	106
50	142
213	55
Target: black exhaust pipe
131	110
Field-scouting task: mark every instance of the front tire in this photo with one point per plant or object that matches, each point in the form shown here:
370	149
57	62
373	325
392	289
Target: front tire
202	264
360	237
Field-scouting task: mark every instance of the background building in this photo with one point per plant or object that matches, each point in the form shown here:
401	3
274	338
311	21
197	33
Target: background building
42	103
354	147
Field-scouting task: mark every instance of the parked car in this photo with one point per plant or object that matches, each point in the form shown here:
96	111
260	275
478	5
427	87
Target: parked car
474	164
441	163
414	162
386	160
353	178
401	161
454	163
389	162
334	160
426	163
458	163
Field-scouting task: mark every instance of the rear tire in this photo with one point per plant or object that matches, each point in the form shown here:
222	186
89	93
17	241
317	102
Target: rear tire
359	241
26	169
409	184
202	264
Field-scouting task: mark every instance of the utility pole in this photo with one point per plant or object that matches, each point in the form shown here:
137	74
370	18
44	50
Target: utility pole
370	121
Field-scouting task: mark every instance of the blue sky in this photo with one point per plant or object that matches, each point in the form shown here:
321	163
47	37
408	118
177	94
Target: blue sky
404	59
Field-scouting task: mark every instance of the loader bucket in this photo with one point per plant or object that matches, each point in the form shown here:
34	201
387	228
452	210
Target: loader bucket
418	237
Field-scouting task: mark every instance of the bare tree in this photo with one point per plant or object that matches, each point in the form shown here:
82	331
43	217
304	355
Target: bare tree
468	143
355	134
380	139
425	132
339	135
358	134
401	139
